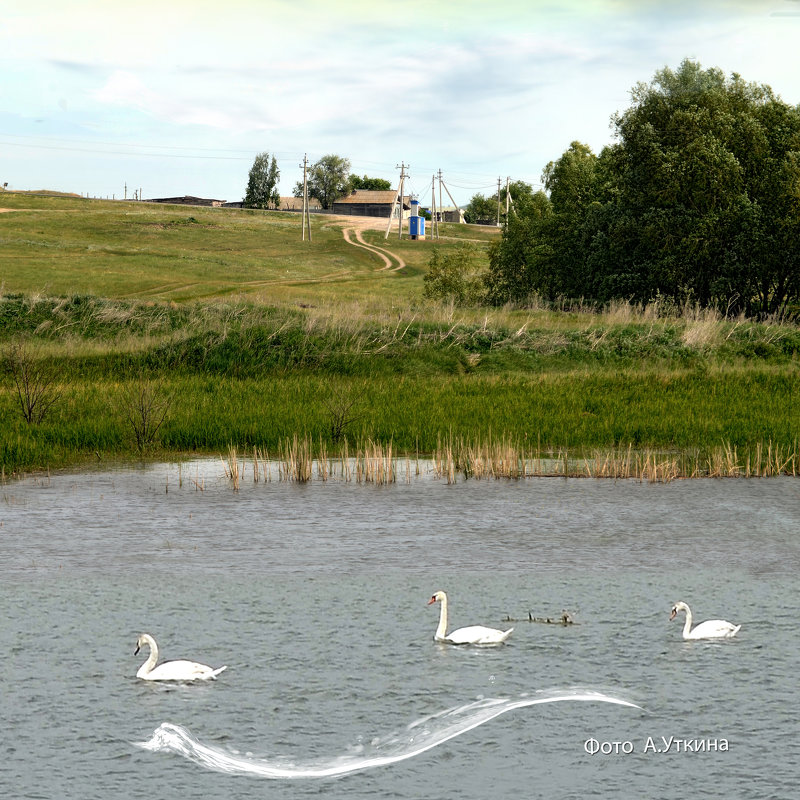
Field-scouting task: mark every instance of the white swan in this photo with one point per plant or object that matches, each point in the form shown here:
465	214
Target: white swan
171	670
474	634
711	629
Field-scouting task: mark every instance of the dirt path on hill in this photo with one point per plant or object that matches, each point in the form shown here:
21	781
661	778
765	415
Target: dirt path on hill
355	226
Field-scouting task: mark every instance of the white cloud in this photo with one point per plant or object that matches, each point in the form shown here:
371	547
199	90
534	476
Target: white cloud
126	89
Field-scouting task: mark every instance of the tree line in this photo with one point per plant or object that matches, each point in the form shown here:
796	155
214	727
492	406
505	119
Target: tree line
697	200
327	180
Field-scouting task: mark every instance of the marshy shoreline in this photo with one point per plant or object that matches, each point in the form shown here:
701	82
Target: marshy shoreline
622	392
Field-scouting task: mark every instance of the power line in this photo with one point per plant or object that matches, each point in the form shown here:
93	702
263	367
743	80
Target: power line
96	152
198	153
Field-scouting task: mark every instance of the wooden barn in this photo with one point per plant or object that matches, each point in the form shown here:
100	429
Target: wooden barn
369	203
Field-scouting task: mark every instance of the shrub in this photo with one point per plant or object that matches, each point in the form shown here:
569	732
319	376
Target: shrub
453	277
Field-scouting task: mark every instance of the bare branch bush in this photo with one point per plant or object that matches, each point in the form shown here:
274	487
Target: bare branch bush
342	411
145	406
38	382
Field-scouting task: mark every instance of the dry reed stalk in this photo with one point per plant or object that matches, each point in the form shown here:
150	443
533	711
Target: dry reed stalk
232	468
782	463
446	465
722	463
287	462
266	469
479	461
323	466
451	467
605	465
376	464
655	470
298	460
732	467
443	461
347	473
305	461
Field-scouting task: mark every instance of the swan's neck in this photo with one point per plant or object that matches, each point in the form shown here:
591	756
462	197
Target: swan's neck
441	631
152	659
687	625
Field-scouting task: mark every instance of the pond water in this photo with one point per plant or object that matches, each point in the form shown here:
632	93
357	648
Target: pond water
315	597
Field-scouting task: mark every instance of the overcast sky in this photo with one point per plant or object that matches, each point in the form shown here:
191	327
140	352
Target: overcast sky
178	96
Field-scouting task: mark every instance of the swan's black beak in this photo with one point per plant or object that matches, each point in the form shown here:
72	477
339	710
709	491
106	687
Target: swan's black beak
136	651
673	613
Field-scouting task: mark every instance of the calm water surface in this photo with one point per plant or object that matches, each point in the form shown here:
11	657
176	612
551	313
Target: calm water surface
315	597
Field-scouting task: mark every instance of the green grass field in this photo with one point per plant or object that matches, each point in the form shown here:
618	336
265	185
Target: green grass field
246	336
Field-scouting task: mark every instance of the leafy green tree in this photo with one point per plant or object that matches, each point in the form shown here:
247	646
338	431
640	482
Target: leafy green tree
709	174
262	183
481	210
698	201
454	276
369	184
521	194
521	261
328	180
572	185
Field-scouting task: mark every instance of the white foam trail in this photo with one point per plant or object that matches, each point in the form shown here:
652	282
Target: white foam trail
418	737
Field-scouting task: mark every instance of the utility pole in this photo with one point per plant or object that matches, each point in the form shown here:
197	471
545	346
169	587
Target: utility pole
441	206
126	190
510	201
402	166
306	212
498	202
455	205
434	212
508	194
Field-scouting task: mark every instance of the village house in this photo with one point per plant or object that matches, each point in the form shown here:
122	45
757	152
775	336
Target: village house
451	214
370	203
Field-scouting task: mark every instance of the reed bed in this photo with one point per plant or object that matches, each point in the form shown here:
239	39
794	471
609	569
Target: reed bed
375	463
457	459
296	461
370	462
504	459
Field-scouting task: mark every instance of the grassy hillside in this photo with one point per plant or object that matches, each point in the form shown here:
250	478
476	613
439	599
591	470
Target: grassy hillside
240	334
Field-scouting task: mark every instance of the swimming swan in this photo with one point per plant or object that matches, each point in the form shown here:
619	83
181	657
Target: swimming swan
171	670
711	629
474	634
